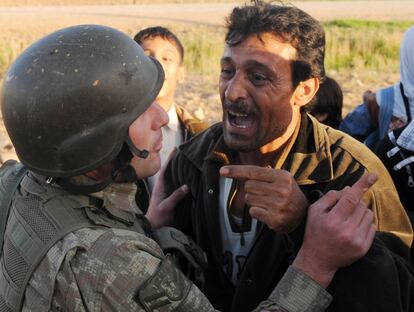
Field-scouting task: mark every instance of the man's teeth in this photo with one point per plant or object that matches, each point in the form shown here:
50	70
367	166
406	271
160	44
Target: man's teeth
238	114
242	126
239	120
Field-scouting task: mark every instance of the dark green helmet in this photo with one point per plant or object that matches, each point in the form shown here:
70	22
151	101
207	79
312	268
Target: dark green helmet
68	100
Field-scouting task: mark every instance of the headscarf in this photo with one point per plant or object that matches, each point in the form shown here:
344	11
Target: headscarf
406	138
407	75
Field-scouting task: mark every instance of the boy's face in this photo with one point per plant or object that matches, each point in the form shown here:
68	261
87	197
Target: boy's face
169	57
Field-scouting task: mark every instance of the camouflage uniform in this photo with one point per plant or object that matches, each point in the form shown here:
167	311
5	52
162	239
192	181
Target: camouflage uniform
108	269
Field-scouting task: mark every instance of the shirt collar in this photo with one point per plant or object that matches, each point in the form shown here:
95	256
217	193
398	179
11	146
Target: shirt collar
173	124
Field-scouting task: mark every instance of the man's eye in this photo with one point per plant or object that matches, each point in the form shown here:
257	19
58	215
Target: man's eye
225	72
258	78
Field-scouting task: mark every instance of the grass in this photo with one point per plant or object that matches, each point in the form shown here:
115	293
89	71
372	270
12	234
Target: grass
350	45
366	45
203	49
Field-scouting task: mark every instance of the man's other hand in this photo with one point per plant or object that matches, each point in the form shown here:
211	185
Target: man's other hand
339	230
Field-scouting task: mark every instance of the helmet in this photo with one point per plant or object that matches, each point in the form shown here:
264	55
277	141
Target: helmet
68	100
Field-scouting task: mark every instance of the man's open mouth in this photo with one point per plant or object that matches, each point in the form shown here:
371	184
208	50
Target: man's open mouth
240	120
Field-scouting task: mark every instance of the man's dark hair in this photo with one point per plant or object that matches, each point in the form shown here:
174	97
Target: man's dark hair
329	101
291	24
164	33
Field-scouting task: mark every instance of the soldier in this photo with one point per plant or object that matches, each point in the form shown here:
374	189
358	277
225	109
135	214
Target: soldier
163	45
78	106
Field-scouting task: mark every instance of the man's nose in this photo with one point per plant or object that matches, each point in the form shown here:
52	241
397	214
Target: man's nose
235	89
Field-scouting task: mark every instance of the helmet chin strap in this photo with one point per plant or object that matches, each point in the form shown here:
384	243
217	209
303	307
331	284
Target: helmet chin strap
122	172
137	152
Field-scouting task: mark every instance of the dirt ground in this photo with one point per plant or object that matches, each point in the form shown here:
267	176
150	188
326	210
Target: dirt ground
199	94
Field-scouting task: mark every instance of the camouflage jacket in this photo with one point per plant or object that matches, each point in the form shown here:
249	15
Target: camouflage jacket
108	269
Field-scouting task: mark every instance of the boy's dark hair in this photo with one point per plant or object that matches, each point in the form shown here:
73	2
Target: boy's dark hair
328	100
164	33
291	24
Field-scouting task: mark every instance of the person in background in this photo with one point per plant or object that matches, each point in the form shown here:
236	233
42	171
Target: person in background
163	45
389	108
327	104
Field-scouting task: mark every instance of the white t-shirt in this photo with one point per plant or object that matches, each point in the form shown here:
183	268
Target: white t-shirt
236	244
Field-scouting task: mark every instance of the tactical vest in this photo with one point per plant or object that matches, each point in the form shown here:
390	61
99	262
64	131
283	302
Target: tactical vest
40	215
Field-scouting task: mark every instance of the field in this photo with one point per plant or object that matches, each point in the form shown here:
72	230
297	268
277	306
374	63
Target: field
363	38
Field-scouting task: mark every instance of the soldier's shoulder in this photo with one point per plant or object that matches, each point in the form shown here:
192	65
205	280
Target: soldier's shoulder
113	239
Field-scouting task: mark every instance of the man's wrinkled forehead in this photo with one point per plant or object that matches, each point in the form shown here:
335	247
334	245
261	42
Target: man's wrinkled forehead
264	44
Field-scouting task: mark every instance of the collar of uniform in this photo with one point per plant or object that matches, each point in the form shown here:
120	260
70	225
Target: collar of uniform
119	200
173	124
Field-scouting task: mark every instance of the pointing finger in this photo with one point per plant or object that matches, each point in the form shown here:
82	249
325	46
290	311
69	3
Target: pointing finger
363	184
352	196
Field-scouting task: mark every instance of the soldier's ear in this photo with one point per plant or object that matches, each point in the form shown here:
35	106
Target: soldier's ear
305	91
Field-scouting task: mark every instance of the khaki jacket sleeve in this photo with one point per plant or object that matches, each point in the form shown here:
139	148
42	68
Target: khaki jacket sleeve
169	290
296	292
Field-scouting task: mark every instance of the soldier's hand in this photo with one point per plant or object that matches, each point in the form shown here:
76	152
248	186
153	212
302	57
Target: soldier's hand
339	230
273	195
161	208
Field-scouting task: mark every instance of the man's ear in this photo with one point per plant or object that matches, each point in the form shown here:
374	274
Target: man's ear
305	91
181	74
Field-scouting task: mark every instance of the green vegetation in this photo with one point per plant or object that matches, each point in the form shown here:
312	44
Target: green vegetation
203	49
350	45
356	44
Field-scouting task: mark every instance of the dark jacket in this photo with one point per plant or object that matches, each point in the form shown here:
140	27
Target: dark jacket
321	159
